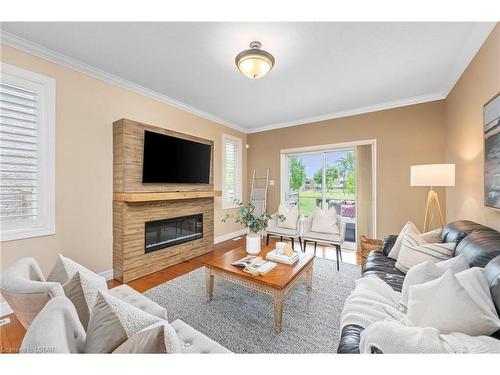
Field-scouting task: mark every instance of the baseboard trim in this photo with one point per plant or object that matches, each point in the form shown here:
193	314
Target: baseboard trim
229	236
108	275
5	309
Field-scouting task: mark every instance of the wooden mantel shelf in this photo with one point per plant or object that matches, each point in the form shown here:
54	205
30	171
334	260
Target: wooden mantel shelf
168	196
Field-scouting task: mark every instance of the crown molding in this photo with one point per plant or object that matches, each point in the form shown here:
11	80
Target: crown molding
353	112
469	49
79	66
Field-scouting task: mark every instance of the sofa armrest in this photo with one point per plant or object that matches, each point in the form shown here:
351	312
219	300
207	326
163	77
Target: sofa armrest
301	224
273	221
388	243
349	339
342	227
307	223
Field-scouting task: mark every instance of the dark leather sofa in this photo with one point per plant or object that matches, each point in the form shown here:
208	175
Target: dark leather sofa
479	244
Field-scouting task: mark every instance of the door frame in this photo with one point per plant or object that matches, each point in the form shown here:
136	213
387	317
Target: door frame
332	147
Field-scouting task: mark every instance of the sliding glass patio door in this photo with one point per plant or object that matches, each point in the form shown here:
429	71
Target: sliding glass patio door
319	179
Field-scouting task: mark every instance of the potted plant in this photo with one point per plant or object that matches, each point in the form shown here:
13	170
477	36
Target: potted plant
255	224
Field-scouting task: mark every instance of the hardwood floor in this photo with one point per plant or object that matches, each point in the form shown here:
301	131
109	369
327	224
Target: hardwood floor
11	335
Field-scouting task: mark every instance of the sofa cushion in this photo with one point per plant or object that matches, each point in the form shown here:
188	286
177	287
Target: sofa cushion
56	329
194	342
378	264
136	299
282	231
316	236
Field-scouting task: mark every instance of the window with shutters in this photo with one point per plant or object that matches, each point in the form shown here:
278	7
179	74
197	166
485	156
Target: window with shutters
231	171
27	122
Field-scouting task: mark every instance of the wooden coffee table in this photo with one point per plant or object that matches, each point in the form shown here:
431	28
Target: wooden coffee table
276	282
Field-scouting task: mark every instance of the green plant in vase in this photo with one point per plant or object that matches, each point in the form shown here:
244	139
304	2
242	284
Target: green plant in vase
246	216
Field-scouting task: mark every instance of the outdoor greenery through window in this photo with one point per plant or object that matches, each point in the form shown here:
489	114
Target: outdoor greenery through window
323	179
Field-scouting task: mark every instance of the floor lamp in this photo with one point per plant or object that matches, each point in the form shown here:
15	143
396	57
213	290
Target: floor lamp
433	175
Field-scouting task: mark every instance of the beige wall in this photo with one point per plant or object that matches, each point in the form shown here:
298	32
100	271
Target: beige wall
405	136
464	128
85	110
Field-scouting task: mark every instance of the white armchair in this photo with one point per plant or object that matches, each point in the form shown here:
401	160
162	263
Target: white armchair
273	229
26	291
336	240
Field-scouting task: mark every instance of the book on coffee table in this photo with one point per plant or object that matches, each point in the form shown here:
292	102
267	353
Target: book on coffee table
282	258
255	265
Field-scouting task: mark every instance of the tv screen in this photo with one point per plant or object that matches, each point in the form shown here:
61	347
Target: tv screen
175	160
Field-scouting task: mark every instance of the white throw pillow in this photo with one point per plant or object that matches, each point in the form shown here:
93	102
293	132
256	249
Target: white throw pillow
434	236
112	322
325	221
65	269
428	271
157	338
456	264
408	228
291	217
454	303
415	250
82	290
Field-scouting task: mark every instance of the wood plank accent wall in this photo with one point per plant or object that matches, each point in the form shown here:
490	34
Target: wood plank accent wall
128	154
129	216
129	259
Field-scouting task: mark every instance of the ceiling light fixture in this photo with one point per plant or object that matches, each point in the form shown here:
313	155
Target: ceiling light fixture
254	63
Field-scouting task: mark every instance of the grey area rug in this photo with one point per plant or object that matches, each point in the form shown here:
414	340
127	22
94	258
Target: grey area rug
242	319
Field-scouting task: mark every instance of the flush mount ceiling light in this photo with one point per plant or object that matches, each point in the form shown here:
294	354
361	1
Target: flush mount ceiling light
254	63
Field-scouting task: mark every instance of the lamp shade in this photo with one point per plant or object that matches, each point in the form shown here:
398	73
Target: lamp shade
433	175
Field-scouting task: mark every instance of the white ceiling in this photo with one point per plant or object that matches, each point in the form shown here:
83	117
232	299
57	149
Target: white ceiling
323	70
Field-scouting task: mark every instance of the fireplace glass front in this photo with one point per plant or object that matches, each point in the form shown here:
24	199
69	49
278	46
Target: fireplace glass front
169	232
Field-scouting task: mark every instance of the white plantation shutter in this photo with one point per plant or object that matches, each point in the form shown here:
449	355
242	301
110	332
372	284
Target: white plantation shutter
26	154
232	171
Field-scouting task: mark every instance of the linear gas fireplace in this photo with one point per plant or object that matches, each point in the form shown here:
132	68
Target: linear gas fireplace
169	232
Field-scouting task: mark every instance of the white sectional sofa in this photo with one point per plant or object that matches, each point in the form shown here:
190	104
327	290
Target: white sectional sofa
52	322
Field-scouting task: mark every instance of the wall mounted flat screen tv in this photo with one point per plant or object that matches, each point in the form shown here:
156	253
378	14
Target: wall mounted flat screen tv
175	160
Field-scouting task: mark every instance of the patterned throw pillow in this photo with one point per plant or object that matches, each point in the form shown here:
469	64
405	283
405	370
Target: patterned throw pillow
415	250
348	210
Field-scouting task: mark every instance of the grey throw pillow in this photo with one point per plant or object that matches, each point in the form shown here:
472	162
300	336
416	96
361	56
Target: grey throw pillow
65	268
82	291
157	338
112	322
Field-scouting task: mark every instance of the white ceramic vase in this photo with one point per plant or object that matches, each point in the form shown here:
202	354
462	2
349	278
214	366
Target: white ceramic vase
253	243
